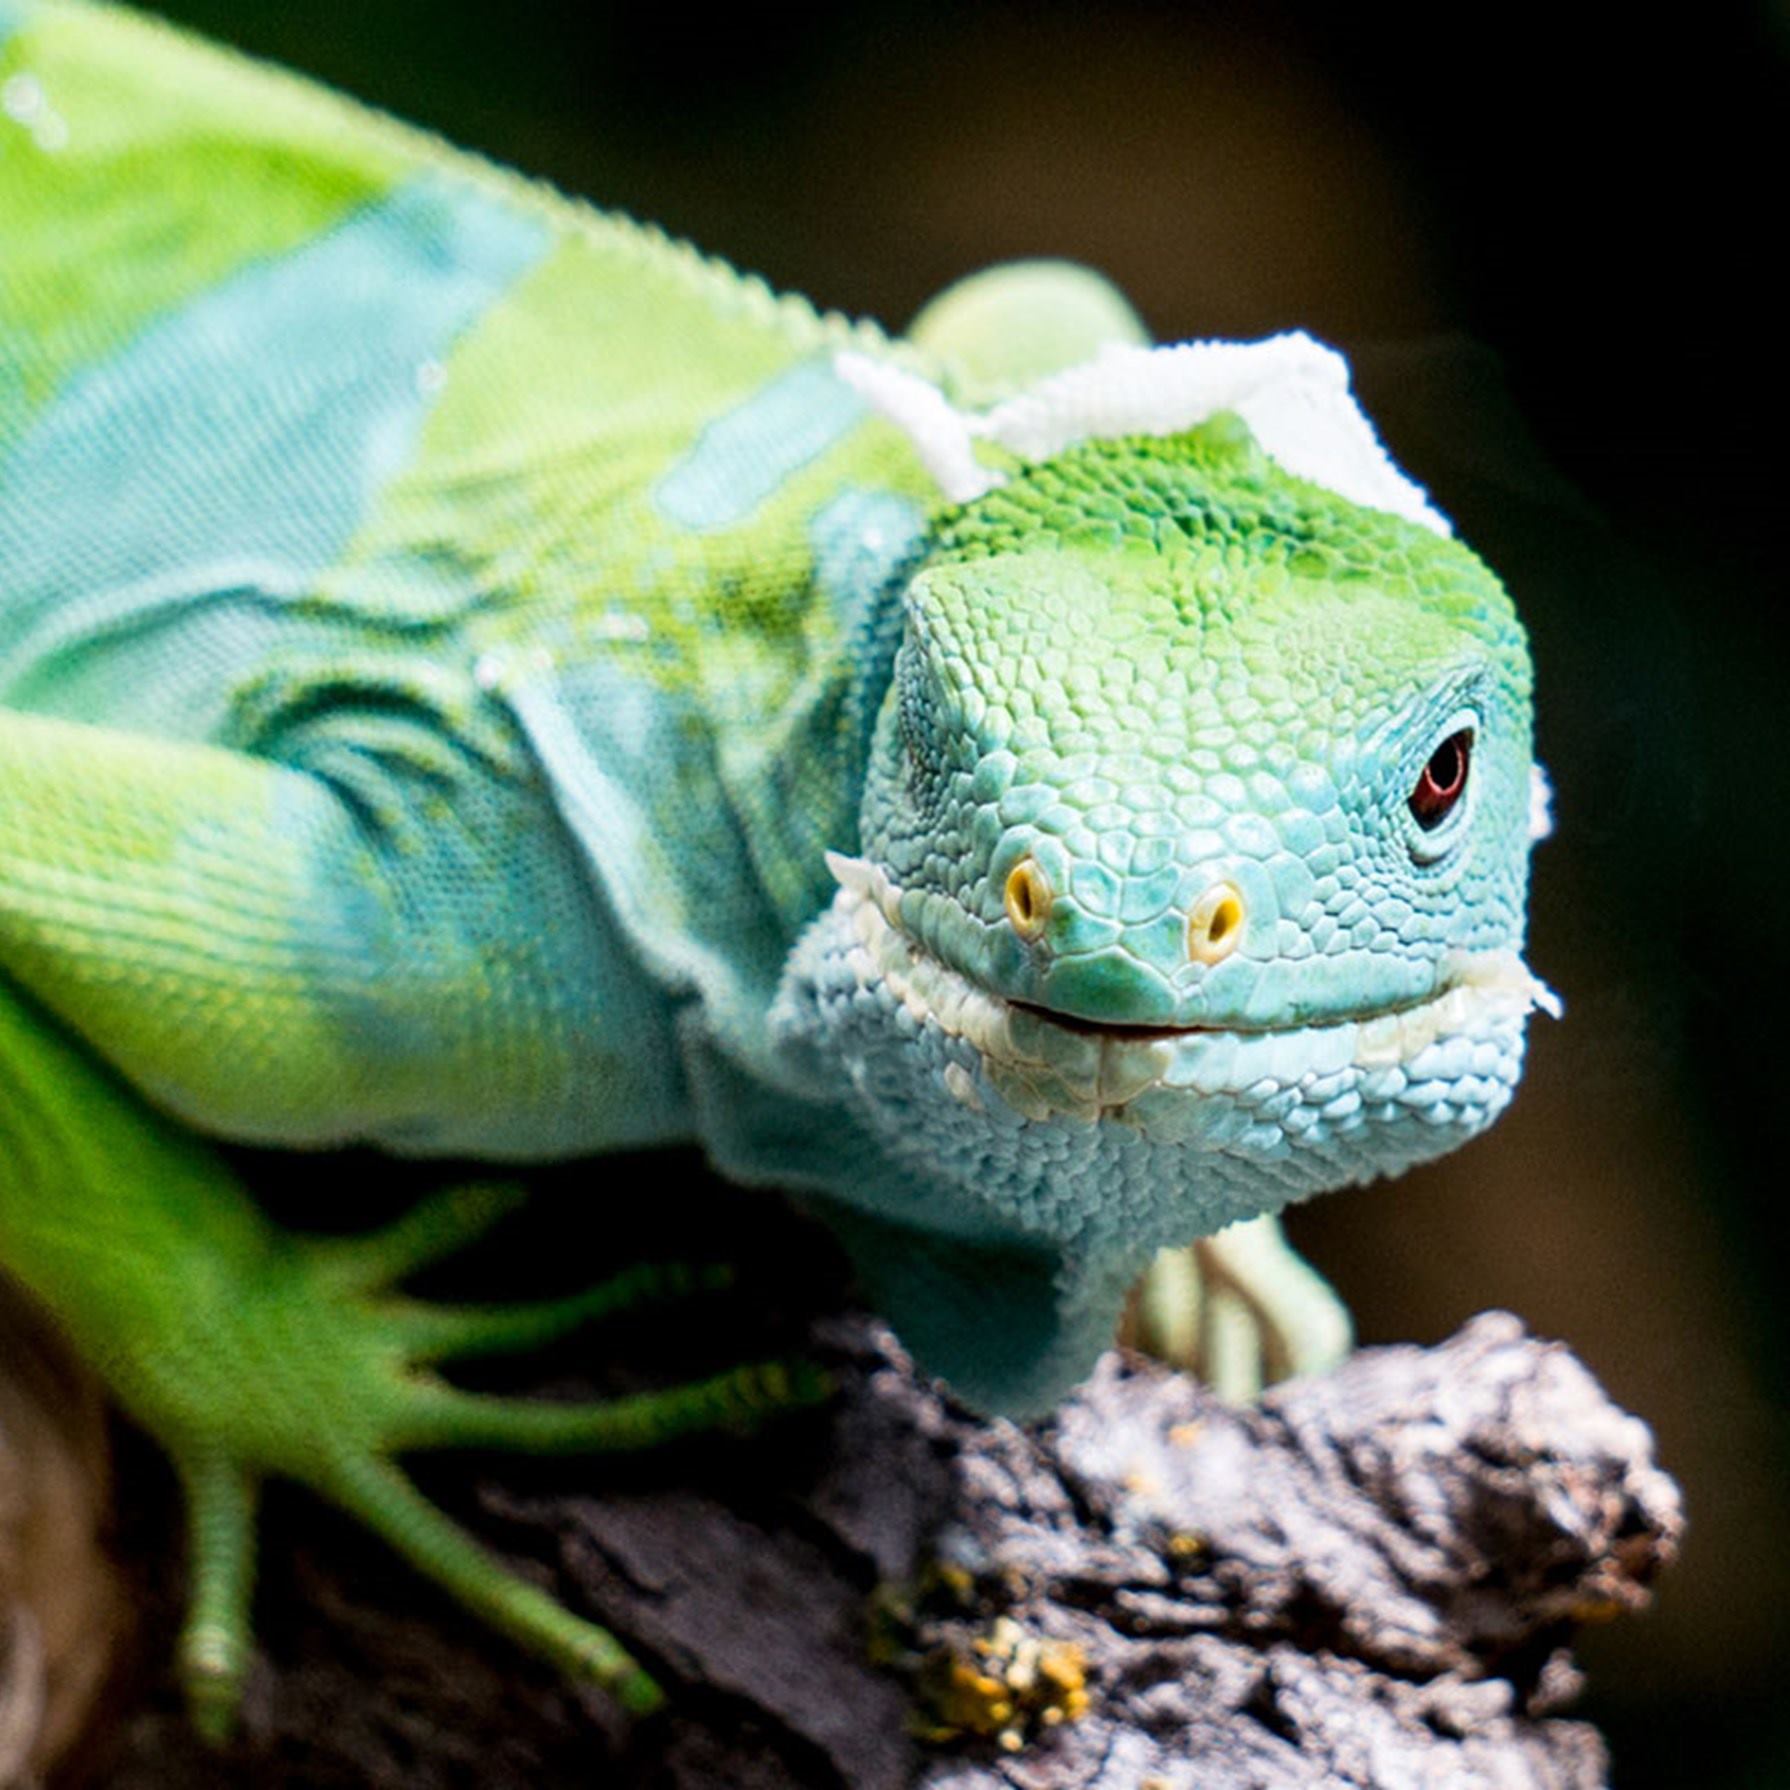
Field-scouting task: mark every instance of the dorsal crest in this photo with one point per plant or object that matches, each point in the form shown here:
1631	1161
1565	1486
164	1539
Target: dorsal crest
1292	391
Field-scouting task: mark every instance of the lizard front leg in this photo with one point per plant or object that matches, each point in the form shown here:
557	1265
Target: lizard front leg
251	1352
380	937
194	939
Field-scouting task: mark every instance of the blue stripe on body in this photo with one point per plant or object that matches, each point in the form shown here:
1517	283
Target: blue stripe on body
236	444
740	459
860	540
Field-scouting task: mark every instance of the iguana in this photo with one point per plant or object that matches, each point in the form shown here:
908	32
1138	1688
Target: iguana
479	680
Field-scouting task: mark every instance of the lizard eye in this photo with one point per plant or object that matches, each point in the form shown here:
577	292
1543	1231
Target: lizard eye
1443	780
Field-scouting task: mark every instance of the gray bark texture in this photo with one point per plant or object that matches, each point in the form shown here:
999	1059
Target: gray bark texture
1371	1579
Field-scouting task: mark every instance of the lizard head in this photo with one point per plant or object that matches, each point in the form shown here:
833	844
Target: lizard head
1194	842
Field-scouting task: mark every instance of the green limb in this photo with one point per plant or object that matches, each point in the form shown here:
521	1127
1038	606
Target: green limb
436	1415
154	890
254	1354
217	1639
441	1332
377	1493
435	1228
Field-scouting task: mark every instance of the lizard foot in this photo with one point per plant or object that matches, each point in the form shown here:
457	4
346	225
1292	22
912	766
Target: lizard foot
1241	1309
328	1380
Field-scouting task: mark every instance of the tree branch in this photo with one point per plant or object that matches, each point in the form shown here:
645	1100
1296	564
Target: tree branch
1372	1579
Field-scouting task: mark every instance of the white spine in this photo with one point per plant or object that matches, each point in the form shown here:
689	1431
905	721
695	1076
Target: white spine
1291	391
942	434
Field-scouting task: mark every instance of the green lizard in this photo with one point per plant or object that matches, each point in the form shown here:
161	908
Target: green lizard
477	679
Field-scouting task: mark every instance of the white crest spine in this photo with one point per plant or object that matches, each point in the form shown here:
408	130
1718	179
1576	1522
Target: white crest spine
1293	393
941	433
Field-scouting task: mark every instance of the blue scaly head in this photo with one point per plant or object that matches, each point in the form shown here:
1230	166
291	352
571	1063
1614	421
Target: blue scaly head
1194	852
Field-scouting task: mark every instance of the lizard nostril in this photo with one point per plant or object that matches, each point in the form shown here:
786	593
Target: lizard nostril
1028	899
1215	924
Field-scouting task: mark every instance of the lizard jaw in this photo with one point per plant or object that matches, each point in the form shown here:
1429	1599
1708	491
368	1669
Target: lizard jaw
1049	1065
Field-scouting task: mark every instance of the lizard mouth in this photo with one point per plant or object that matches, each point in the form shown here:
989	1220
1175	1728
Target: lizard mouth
1094	1068
1131	1029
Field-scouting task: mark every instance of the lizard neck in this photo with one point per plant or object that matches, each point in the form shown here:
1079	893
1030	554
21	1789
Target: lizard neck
704	717
742	574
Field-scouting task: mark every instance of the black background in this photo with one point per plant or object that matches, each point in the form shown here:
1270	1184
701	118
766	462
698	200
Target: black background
1542	232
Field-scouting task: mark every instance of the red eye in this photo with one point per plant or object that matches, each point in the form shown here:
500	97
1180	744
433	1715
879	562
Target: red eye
1443	780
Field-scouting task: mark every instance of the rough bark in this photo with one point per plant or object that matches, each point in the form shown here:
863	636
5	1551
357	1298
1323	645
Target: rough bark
1370	1580
62	1609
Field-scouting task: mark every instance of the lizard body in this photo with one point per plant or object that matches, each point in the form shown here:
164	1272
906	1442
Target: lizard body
480	680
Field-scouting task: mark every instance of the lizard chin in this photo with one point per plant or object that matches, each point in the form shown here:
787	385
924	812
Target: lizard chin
1448	1060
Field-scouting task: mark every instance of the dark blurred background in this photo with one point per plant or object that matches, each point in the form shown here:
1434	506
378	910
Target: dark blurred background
1542	233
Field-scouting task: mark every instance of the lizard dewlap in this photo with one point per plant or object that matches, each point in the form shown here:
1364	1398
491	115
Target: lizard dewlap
480	680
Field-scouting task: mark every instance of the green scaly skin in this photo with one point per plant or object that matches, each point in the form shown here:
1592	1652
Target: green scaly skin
478	680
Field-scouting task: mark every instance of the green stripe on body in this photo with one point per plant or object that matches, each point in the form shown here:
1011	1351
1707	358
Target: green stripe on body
562	415
149	168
